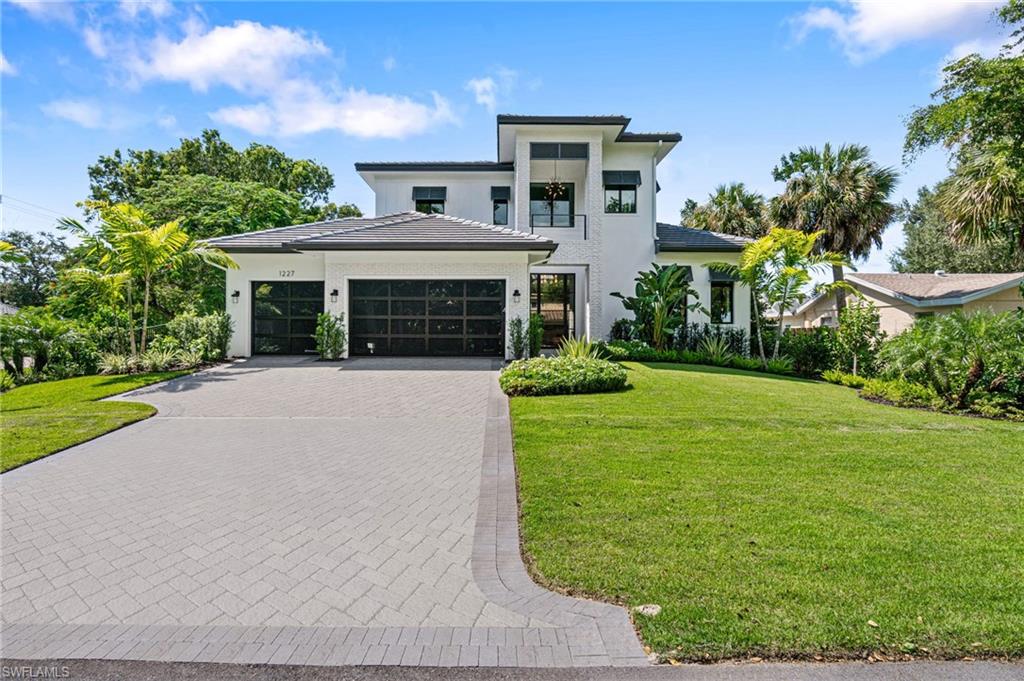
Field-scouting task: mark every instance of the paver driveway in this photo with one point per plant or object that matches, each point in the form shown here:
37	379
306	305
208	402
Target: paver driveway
287	510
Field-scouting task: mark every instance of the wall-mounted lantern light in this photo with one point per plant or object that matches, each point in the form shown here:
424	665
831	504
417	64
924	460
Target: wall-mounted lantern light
235	295
516	296
334	296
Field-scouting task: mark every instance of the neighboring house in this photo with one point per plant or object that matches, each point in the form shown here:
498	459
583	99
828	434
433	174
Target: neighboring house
563	217
902	298
7	308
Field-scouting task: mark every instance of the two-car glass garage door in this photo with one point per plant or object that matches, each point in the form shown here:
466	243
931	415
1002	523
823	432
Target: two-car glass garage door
427	317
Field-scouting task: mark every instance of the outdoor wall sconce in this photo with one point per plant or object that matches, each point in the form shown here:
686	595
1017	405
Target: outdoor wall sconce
516	296
235	296
334	296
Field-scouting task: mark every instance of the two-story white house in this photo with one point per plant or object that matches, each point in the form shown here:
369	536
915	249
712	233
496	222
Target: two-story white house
565	216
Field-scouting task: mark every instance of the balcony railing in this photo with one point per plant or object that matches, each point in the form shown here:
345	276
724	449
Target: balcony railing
555	221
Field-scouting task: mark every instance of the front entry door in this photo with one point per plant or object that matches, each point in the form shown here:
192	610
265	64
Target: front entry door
553	297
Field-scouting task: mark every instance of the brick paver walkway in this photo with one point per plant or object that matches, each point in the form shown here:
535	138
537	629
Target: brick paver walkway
284	510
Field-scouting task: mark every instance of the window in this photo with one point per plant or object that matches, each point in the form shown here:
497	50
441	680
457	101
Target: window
721	302
620	190
429	199
620	198
547	212
500	197
559	150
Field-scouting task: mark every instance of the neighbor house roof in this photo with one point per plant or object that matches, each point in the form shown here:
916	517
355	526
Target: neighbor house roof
948	289
7	308
679	238
410	231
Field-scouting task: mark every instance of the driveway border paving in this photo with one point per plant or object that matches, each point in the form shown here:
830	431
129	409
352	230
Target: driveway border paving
561	631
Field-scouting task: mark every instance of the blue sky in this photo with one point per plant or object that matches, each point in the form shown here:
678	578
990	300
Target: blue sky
343	82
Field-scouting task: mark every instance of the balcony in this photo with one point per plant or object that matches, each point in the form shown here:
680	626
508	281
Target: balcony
559	226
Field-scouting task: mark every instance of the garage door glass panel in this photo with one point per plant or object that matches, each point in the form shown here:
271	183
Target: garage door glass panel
284	316
427	317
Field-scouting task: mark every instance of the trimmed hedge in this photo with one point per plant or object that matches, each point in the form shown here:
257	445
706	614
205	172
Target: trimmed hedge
639	351
561	376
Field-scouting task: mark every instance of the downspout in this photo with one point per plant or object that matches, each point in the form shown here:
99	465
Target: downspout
654	195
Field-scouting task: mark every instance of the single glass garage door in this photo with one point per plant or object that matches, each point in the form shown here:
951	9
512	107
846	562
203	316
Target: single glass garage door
441	317
284	316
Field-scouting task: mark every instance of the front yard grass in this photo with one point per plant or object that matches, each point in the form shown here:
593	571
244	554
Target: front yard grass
777	517
43	418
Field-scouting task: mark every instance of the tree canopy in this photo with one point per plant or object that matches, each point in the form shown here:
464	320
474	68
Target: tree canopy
27	280
730	209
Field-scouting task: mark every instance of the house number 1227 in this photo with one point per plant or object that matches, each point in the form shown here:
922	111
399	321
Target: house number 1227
286	273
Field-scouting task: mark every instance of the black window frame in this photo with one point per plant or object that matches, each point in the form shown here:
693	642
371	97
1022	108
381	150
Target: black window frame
619	188
494	211
289	293
731	298
550	213
430	207
557	151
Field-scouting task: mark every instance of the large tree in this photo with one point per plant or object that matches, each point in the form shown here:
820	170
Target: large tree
930	245
27	279
839	192
121	177
730	209
979	118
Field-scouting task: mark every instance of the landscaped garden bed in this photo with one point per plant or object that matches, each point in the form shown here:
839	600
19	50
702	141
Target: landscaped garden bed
777	517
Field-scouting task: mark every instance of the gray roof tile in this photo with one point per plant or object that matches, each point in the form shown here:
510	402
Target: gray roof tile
679	238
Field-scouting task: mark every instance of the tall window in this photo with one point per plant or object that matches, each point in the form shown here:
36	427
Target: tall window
620	190
429	199
721	302
546	211
499	198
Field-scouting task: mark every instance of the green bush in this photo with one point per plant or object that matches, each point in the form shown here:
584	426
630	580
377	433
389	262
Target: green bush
561	376
330	335
53	347
900	392
811	350
716	350
781	365
622	329
518	342
208	335
692	336
858	339
114	363
579	348
535	334
746	364
842	378
158	359
6	381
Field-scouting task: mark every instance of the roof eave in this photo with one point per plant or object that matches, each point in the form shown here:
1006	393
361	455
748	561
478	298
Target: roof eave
420	246
662	247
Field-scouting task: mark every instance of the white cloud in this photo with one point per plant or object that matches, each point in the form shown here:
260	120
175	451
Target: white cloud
302	107
485	91
246	56
866	29
6	67
489	90
81	112
157	8
167	121
95	42
390	64
47	11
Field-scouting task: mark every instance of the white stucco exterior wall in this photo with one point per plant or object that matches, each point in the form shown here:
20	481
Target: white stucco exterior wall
701	284
469	193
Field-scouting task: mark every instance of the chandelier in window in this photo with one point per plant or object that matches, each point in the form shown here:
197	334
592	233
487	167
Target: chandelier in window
554	189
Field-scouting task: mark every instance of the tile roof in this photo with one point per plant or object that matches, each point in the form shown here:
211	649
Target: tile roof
398	231
679	238
935	286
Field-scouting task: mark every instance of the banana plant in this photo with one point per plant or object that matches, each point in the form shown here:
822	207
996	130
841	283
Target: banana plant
660	298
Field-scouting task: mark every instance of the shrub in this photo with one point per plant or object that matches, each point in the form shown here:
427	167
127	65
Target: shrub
899	392
157	359
53	347
208	335
612	351
842	378
746	364
561	376
113	363
217	328
780	365
811	350
330	335
6	381
961	357
622	329
535	334
716	351
189	359
579	348
858	339
693	335
518	342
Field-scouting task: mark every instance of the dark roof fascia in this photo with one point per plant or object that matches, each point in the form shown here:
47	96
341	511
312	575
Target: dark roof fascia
431	166
515	119
421	246
257	249
649	137
663	247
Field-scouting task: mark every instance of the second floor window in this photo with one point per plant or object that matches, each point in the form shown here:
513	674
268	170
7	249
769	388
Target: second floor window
620	190
499	198
429	199
551	211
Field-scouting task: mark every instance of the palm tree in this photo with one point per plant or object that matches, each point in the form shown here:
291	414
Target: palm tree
842	193
984	198
777	267
132	248
730	209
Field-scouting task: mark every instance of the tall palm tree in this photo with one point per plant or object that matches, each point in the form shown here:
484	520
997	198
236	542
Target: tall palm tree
730	209
842	193
984	198
130	243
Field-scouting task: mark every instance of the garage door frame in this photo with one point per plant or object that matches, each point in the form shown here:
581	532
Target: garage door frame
356	349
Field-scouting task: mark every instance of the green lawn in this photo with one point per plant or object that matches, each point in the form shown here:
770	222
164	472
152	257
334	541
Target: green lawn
43	418
777	517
